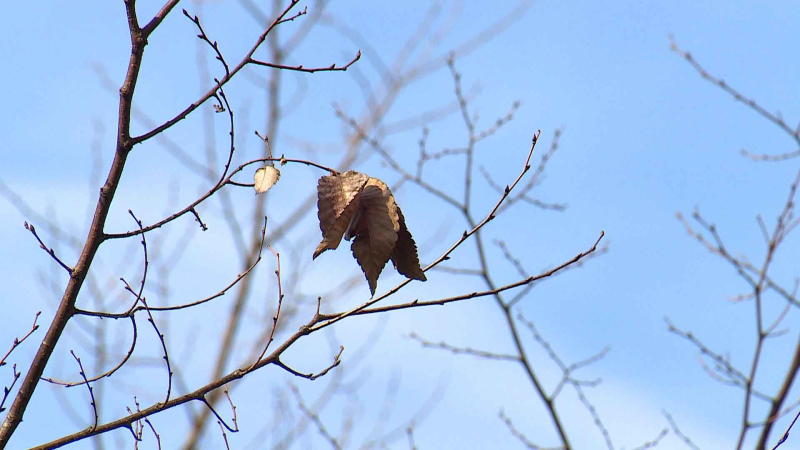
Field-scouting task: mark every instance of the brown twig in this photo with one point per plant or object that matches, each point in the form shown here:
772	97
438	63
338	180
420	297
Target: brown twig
674	426
457	298
310	376
153	429
508	117
566	377
233	409
463	351
468	122
278	310
89	386
7	390
410	434
535	180
224	435
786	434
203	400
139	432
109	372
518	434
136	428
300	68
723	366
18	341
48	250
744	268
774	118
224	181
205	38
222	292
654	443
248	59
314	417
140	298
198	219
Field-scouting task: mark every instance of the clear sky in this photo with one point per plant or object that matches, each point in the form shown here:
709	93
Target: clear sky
644	137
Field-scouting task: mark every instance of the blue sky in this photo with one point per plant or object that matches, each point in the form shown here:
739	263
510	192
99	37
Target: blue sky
643	138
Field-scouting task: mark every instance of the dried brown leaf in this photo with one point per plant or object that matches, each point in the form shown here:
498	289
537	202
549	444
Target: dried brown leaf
355	206
404	256
337	204
376	230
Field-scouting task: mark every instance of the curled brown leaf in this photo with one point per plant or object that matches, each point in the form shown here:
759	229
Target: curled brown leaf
358	207
337	204
404	256
375	233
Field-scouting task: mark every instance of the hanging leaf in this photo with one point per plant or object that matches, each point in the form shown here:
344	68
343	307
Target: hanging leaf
265	178
404	256
355	206
375	233
337	204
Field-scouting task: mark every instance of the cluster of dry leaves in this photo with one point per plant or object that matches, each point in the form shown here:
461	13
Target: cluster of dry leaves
358	207
362	209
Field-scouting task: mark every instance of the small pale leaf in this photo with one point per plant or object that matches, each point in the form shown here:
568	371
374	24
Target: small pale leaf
337	203
376	230
265	178
404	256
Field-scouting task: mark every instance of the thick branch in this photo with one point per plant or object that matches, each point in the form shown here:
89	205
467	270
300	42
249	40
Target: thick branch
66	307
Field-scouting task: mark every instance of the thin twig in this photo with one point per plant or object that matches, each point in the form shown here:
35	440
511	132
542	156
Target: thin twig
224	435
300	68
518	434
734	377
654	443
247	59
108	372
776	119
233	409
7	390
674	426
463	351
311	376
18	341
138	431
223	182
277	312
567	378
416	303
410	434
203	400
89	386
205	38
153	429
222	292
48	250
198	219
314	417
150	318
786	434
